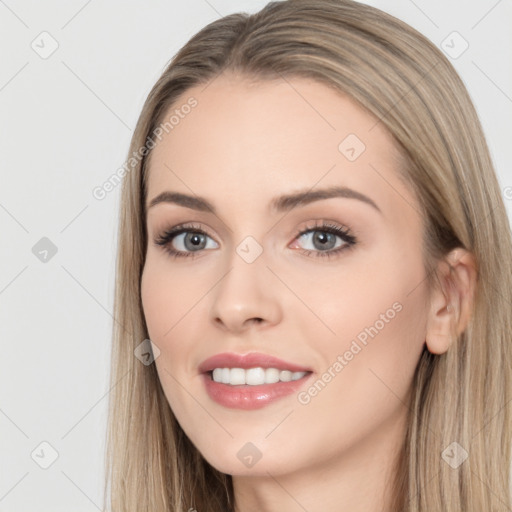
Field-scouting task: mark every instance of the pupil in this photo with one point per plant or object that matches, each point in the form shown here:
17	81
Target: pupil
323	237
195	239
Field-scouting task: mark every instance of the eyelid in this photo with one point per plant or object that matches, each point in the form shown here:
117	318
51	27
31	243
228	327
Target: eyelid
178	229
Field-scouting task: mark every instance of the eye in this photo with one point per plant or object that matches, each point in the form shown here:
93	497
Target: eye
322	240
185	240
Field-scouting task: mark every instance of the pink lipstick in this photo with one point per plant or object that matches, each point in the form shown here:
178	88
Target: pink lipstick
251	381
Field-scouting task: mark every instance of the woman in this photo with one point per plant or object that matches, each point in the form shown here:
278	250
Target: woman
312	237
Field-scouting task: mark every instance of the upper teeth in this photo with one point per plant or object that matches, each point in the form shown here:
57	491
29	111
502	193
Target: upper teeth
254	376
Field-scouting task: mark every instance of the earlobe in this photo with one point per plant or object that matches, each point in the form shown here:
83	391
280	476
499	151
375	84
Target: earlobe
440	333
452	301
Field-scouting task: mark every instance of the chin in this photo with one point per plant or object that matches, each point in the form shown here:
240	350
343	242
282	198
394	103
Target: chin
246	459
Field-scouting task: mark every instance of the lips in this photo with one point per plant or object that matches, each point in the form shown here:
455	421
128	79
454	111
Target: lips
250	360
236	395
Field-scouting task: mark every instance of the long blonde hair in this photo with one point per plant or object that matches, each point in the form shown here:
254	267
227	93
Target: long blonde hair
462	396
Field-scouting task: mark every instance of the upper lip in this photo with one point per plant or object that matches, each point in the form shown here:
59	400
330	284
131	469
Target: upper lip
250	360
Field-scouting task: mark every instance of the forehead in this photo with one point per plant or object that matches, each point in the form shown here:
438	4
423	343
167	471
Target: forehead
249	140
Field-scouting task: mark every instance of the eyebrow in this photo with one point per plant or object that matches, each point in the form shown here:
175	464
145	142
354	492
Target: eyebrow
282	203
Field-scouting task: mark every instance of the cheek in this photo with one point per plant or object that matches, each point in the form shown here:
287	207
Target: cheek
157	301
375	298
166	301
167	297
172	302
378	312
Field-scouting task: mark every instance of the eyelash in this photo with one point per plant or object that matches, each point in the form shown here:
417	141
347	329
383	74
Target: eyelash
164	240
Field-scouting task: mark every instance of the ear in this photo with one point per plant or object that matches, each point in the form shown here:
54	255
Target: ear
451	302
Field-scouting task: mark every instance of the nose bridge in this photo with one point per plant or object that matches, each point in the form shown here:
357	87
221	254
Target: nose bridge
244	293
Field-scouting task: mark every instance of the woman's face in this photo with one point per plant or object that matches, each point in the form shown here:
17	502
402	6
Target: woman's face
345	301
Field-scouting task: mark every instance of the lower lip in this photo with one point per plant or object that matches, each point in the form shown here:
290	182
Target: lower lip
250	397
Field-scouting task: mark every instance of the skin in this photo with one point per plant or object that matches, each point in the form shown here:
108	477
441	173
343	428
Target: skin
242	145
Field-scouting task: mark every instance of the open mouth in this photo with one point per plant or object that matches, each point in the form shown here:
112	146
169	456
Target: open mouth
252	388
257	376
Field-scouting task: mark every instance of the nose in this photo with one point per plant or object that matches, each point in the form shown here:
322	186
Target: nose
245	296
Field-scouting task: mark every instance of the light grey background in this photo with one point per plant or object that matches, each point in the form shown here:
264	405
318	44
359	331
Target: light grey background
66	121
